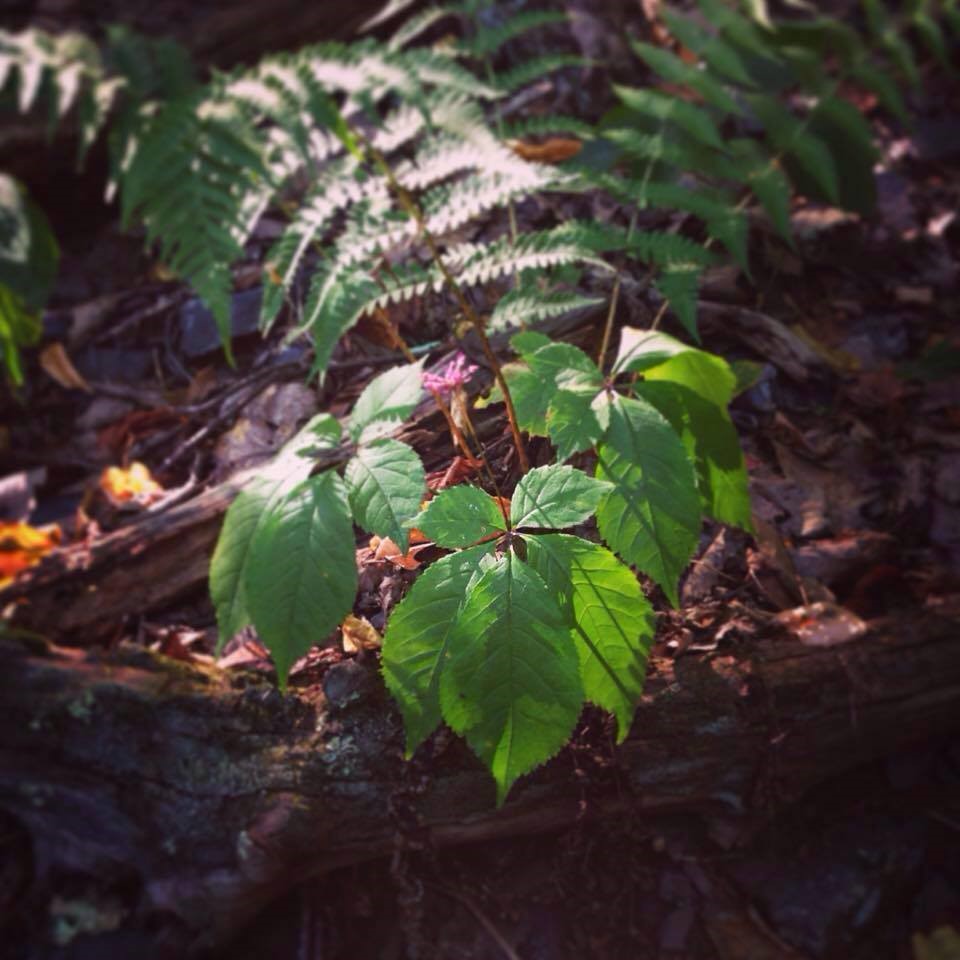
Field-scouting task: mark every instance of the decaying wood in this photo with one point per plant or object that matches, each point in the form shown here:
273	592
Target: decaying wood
217	794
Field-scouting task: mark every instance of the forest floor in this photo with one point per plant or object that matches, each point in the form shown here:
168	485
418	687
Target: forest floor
852	435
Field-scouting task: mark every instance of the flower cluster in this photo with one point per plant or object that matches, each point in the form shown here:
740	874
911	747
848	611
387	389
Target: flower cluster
453	376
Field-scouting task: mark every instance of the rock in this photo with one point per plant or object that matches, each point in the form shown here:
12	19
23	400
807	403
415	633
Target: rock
198	330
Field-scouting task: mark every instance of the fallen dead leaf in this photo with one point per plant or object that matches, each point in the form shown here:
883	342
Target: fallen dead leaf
460	469
23	546
130	485
359	634
385	549
822	624
552	150
58	366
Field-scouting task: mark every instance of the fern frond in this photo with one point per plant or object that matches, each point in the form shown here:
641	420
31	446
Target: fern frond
547	126
678	285
418	24
793	137
720	55
664	108
684	156
198	182
488	40
724	221
523	74
524	305
340	186
671	68
450	206
768	183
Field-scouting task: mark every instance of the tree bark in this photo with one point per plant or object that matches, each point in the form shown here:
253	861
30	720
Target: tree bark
213	794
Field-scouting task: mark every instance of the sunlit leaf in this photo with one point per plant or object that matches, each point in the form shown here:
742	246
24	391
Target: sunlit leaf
301	578
652	517
385	481
386	402
512	684
555	497
612	622
416	642
460	516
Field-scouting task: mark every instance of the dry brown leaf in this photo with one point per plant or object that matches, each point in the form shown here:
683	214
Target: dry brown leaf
59	367
23	546
552	150
385	549
358	634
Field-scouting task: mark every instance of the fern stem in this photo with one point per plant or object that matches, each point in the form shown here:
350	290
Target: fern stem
413	210
612	309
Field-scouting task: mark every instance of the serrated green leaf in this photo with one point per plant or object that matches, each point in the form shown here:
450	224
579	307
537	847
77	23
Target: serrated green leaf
529	341
712	444
566	366
246	514
531	396
652	518
460	516
417	639
572	422
385	482
659	356
555	497
512	685
231	557
612	621
301	577
386	401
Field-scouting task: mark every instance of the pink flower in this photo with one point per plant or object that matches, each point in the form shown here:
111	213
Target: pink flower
456	373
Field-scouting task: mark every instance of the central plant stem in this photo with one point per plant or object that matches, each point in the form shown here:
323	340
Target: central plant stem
413	210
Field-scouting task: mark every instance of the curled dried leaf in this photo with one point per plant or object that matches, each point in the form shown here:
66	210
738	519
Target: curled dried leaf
23	546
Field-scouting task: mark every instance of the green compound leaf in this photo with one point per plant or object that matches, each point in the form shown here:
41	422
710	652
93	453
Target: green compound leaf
612	622
572	422
531	396
301	577
652	518
460	516
660	357
248	514
385	482
512	685
417	639
386	402
566	366
556	497
711	443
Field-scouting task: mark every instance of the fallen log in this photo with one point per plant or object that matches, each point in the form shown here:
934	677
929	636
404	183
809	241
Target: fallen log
205	795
